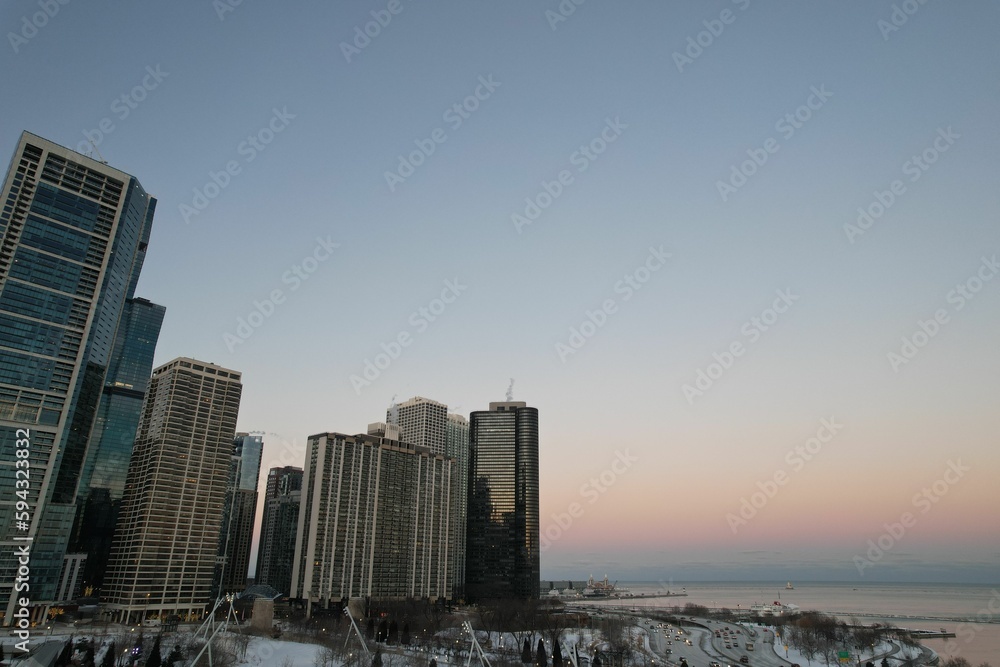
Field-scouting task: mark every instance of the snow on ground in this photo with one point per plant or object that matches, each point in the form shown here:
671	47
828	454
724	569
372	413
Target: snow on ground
264	652
794	656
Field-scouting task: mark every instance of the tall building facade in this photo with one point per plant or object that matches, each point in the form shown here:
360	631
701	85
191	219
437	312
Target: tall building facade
502	545
375	521
457	447
103	478
73	234
426	423
238	514
278	527
422	422
164	551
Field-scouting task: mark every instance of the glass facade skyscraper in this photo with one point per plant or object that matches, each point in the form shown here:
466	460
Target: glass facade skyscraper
73	234
502	545
278	526
238	514
103	479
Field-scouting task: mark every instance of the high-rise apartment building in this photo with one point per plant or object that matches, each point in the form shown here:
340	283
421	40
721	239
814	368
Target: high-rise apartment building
164	551
238	514
375	521
426	423
278	527
421	422
73	234
502	545
457	447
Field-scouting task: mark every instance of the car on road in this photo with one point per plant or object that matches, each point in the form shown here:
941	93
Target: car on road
745	660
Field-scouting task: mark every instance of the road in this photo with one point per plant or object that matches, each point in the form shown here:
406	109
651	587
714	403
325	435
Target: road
705	648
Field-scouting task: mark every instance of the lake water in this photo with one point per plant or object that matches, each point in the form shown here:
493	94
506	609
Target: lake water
972	612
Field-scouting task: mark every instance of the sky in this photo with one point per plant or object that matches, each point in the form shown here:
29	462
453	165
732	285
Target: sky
742	256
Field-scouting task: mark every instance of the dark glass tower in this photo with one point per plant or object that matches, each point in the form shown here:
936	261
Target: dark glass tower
276	549
73	234
502	549
103	478
239	511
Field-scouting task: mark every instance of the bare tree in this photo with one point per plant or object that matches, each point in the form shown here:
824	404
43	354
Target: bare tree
222	655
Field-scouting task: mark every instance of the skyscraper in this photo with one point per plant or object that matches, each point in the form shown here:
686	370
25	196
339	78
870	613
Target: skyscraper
426	423
74	234
421	422
103	479
238	514
165	546
374	522
278	528
457	447
502	547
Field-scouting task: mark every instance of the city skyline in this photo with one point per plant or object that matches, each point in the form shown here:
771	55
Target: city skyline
723	254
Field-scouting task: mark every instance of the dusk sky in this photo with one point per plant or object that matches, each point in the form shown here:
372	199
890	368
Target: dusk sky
688	173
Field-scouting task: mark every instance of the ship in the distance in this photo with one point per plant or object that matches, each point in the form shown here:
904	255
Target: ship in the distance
603	589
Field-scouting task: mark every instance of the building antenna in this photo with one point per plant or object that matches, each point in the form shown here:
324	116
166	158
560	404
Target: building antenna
510	391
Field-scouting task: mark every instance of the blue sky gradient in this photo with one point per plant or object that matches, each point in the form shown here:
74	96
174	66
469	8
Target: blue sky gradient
345	124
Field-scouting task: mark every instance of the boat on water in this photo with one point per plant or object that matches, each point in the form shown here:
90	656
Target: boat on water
603	589
789	587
